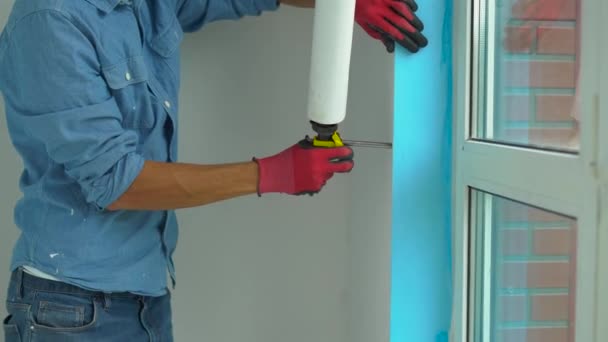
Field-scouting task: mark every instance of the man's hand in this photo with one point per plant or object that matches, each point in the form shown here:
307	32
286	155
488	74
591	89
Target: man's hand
392	21
302	168
389	21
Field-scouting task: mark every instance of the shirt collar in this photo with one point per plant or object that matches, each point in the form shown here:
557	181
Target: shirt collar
106	6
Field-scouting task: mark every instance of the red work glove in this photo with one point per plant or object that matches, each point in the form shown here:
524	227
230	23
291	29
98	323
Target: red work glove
302	168
392	21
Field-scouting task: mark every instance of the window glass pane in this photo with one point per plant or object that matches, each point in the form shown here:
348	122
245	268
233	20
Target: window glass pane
528	73
524	272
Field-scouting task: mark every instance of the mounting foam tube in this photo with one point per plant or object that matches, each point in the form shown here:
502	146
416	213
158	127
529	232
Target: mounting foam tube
330	62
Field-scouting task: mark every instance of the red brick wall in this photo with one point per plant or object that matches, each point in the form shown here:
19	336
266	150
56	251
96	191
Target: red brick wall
537	72
535	274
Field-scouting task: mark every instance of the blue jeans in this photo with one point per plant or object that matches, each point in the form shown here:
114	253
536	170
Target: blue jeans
48	311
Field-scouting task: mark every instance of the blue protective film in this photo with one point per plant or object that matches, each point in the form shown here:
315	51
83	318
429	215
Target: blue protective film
421	298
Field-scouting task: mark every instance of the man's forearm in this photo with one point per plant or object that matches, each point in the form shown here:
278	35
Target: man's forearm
299	3
166	186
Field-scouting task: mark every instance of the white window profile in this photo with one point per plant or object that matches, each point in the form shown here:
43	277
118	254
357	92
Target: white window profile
571	184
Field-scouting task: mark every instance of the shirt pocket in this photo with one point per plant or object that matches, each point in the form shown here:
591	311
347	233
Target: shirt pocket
128	82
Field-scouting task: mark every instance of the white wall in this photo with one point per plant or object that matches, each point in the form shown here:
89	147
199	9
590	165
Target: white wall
276	268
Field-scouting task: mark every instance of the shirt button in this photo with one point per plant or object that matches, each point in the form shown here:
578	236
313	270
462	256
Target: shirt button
167	104
128	76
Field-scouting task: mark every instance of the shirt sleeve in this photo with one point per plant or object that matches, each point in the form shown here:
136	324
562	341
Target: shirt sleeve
58	96
193	14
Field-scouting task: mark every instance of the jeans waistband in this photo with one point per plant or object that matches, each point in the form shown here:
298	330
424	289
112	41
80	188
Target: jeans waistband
21	280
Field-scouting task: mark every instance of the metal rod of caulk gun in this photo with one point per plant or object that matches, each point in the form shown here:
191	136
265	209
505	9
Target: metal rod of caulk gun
370	144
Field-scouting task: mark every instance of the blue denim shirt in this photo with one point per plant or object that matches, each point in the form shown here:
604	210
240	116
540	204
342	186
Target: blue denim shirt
91	92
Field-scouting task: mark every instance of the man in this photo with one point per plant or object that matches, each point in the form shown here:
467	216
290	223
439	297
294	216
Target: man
91	89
